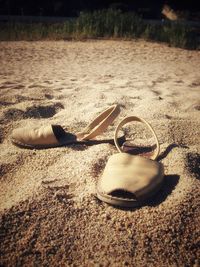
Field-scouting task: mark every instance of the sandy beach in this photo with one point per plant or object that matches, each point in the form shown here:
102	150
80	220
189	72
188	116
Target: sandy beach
50	215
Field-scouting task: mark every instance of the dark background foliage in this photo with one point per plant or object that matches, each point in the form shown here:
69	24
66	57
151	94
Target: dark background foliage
70	8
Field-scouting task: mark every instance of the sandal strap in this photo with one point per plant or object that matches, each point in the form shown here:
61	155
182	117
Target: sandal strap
134	118
101	123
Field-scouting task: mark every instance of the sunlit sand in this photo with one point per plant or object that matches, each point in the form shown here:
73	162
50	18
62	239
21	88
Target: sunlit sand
50	215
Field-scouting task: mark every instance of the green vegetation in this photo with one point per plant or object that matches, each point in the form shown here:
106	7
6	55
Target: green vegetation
109	23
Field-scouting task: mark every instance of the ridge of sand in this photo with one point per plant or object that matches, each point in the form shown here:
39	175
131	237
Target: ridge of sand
49	213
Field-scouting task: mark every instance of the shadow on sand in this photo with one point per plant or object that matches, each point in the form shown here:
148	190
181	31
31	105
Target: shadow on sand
169	149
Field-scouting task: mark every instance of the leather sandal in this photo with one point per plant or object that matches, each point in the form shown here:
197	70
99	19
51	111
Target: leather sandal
130	180
55	135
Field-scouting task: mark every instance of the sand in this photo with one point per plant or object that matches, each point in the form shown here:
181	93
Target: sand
49	213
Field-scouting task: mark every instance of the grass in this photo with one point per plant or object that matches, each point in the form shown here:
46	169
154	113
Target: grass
109	23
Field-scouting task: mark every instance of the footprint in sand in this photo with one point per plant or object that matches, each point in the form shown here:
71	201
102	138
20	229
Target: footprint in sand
33	112
17	99
43	111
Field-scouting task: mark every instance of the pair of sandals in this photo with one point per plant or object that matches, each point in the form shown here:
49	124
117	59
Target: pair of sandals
127	181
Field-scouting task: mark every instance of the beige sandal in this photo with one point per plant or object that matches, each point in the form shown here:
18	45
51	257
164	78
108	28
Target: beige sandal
129	180
55	135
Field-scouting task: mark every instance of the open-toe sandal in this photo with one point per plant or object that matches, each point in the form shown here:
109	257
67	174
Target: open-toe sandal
130	180
55	135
